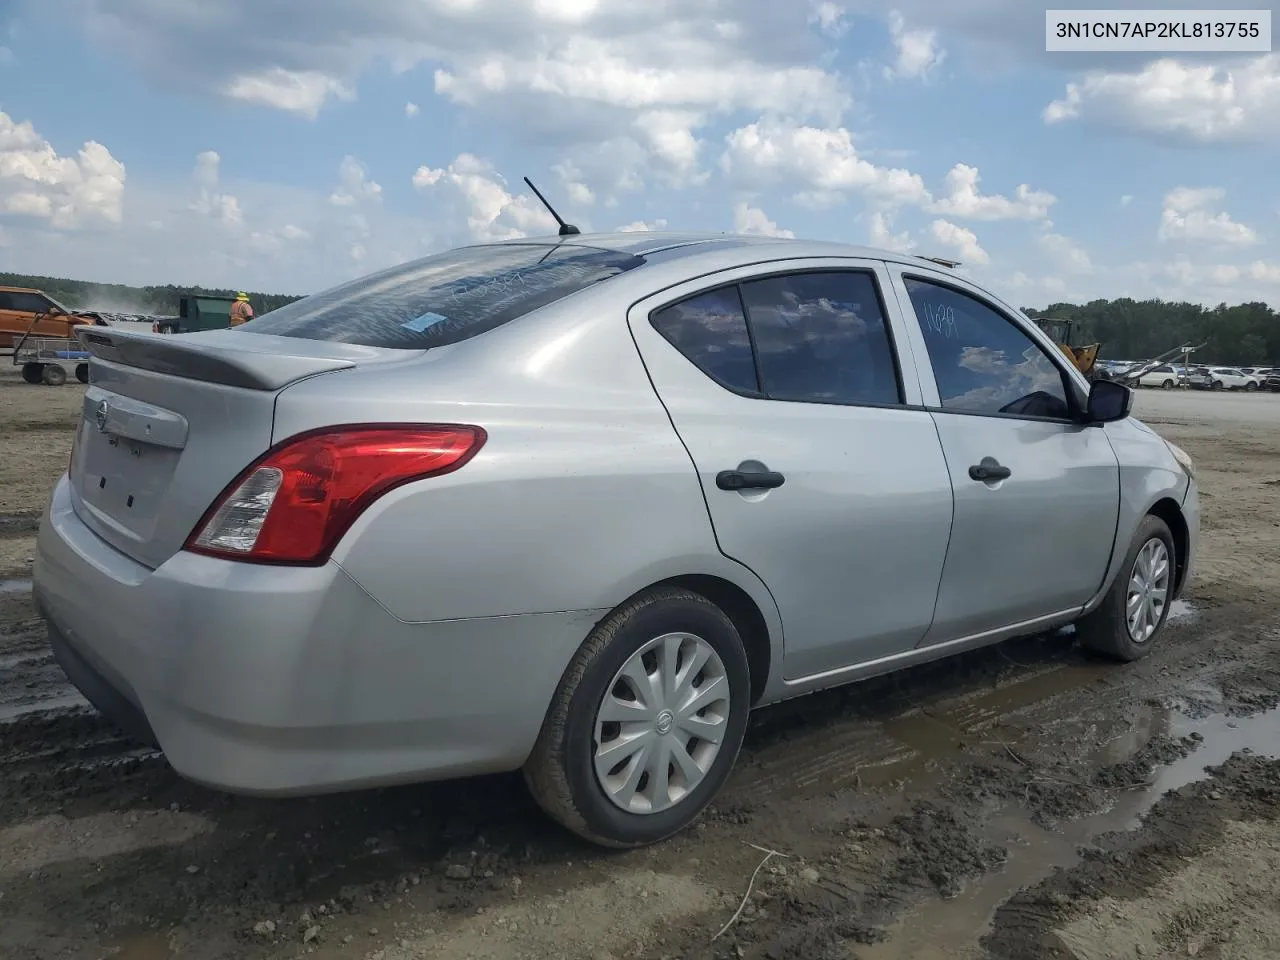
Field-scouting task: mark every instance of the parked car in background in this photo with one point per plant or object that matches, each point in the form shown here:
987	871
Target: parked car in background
1165	375
23	311
1200	378
1232	378
1272	381
554	505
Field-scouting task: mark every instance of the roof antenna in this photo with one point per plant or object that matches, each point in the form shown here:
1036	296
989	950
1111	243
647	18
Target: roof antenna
566	229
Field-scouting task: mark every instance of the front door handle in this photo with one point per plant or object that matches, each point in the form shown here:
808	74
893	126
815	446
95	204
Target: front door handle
743	480
989	471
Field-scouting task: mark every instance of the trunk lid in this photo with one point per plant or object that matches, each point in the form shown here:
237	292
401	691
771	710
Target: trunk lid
169	420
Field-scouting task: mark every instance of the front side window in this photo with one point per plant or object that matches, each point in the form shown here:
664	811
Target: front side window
981	361
446	298
711	331
29	303
821	337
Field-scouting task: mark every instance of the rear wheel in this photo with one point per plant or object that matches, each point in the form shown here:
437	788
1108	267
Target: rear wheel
54	375
1217	384
82	372
1250	387
1167	385
33	372
1130	617
647	722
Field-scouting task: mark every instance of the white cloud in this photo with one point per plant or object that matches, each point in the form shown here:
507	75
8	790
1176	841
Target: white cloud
68	192
354	187
753	220
1170	98
1126	199
1188	214
1067	255
963	199
824	161
643	226
1265	272
963	241
568	72
297	91
492	213
881	234
830	19
210	202
917	51
411	109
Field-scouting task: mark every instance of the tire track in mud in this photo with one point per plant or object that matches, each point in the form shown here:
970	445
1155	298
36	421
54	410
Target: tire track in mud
53	744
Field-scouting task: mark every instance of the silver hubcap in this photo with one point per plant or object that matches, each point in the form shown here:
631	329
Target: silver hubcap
661	723
1148	590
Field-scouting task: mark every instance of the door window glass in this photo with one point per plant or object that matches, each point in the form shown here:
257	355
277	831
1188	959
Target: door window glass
711	331
29	303
821	337
981	361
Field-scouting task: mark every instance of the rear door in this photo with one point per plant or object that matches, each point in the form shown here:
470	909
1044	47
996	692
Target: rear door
1037	494
788	388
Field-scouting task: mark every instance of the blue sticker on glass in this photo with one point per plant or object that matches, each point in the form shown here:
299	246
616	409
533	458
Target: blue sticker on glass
418	324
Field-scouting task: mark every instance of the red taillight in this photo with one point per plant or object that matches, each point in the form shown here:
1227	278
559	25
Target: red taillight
294	504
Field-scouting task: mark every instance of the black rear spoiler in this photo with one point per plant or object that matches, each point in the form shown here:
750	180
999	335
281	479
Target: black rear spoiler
207	358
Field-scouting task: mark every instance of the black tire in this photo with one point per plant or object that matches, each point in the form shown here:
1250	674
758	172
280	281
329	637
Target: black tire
33	372
1250	387
1217	385
559	771
1167	385
82	372
54	375
1106	629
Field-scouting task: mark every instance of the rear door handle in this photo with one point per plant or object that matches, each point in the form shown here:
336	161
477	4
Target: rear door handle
742	480
989	470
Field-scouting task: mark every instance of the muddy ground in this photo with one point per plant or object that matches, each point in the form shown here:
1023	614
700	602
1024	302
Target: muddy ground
1023	801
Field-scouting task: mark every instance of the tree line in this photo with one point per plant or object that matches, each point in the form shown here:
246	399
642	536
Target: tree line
121	298
1246	334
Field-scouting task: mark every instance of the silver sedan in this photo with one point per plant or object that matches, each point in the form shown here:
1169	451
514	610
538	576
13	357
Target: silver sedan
576	506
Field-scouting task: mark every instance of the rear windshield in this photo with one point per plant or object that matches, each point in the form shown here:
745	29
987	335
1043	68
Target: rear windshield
446	298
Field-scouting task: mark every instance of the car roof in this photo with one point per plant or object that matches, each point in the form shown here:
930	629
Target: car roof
665	246
18	290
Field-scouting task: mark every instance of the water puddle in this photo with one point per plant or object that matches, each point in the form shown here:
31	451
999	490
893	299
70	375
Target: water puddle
1181	610
15	586
952	929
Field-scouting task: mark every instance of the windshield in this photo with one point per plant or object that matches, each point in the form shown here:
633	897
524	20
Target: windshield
446	298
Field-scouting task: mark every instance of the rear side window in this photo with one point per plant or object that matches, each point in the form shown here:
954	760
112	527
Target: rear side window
711	331
821	337
445	298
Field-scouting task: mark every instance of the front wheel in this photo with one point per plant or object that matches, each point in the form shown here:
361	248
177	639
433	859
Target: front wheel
54	375
1217	385
1250	387
33	372
1126	623
82	372
647	722
1167	385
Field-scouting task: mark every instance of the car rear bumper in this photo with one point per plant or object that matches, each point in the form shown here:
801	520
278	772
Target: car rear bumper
287	680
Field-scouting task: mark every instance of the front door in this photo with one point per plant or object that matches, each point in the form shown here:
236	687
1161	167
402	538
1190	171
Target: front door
1037	494
786	390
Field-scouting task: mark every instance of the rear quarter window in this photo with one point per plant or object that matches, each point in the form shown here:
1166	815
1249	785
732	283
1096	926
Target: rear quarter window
446	298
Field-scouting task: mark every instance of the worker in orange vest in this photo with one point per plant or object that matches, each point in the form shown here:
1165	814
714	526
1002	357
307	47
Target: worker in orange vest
241	311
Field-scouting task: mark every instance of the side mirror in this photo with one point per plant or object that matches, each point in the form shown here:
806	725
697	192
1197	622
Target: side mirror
1108	401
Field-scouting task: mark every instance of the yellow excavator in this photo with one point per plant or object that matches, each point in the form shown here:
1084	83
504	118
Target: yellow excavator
1061	331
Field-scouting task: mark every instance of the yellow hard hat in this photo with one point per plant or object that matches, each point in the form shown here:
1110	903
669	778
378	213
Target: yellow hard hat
242	296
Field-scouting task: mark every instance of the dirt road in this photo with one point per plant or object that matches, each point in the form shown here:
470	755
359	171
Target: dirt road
1024	801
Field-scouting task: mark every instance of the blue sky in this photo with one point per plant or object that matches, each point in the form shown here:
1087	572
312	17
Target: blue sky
291	144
